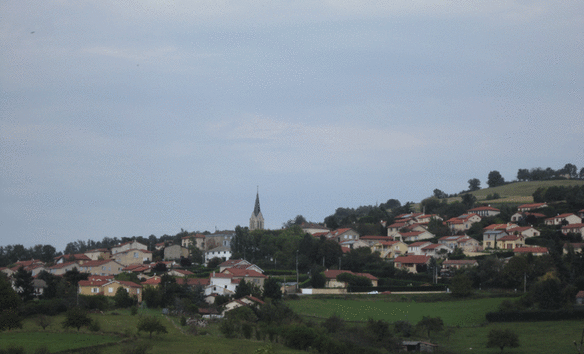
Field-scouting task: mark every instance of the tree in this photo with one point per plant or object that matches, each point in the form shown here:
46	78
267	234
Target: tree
468	200
461	285
523	175
272	289
440	194
243	289
495	179
151	324
9	302
431	324
501	338
474	184
23	284
77	318
44	321
122	298
570	170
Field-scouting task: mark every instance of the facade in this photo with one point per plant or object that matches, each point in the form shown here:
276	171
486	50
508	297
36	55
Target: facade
390	249
532	206
62	268
97	254
573	228
485	211
101	267
198	240
462	222
132	256
256	221
560	219
128	246
526	231
413	236
491	237
436	250
416	248
341	235
536	251
510	242
332	282
223	252
175	252
219	238
412	263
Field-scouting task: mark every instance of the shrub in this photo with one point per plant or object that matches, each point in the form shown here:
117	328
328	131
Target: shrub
12	349
95	326
44	321
151	324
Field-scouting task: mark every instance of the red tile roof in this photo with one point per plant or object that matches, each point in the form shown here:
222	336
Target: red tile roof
530	250
412	259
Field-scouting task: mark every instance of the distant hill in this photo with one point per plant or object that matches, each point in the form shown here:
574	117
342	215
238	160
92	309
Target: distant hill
518	192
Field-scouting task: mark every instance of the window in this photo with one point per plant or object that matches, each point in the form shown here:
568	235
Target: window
94	290
135	254
103	268
110	290
137	291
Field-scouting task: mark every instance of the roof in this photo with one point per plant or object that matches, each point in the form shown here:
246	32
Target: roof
573	226
98	262
530	250
481	208
193	281
432	246
565	215
419	243
152	281
77	257
531	206
412	259
333	274
64	265
129	284
238	272
220	249
134	249
233	262
511	238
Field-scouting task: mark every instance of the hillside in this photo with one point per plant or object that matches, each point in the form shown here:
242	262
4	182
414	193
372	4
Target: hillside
518	192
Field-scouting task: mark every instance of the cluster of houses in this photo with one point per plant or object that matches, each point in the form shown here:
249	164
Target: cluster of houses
407	243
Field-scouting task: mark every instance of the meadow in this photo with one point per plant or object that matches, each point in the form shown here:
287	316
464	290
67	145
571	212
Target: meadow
384	307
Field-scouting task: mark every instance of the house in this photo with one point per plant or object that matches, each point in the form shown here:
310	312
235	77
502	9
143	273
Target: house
436	250
38	286
416	247
132	256
193	281
525	231
484	211
396	227
99	253
126	246
175	252
332	282
244	301
372	240
536	251
79	258
222	252
505	227
230	263
153	282
459	263
412	264
510	242
531	206
218	239
417	346
573	228
580	297
180	273
413	236
462	222
101	267
390	249
133	289
250	275
450	241
490	238
426	218
354	244
197	240
561	218
519	216
469	244
312	228
62	268
577	247
581	213
341	235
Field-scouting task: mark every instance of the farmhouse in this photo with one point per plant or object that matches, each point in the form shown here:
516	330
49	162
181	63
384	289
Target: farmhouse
412	263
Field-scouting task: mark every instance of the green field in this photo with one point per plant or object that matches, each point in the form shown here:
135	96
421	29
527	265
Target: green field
54	341
453	313
520	192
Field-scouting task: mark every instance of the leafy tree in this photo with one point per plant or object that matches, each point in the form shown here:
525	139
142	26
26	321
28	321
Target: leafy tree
122	298
495	179
23	284
474	184
461	285
272	289
523	175
151	324
44	321
404	327
440	194
298	220
431	324
501	338
77	318
9	302
469	200
391	204
317	279
570	170
243	289
214	262
333	324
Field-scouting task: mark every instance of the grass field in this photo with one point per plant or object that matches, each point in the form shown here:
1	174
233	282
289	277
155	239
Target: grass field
453	313
119	327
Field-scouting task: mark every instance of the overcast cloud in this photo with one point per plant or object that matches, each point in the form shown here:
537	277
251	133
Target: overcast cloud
145	117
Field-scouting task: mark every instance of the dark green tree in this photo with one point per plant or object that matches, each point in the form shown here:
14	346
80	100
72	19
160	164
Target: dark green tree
122	299
151	324
501	338
461	285
474	184
431	324
495	179
9	302
440	194
76	318
272	289
243	289
23	284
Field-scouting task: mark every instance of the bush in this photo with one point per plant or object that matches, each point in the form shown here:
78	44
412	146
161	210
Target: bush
95	326
12	349
531	316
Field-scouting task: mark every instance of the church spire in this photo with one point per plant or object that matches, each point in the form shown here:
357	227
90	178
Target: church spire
256	209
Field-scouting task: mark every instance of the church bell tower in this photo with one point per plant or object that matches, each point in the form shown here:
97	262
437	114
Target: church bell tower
256	222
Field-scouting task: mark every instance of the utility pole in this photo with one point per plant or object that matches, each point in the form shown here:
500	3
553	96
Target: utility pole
297	277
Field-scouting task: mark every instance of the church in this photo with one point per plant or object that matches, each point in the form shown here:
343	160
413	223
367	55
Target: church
256	222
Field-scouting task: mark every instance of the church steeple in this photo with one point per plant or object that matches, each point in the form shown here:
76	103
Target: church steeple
256	222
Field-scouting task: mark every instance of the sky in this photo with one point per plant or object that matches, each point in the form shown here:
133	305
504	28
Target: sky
139	118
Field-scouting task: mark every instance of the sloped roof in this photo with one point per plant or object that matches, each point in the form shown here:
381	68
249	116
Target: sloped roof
412	259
